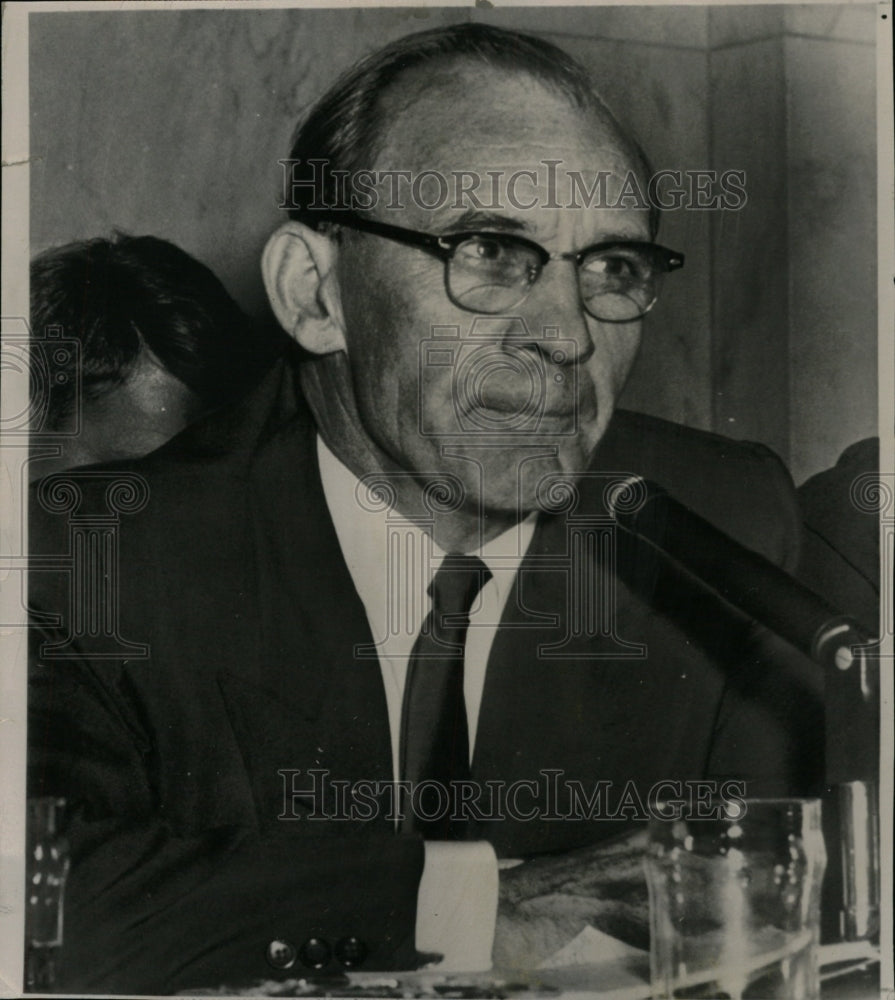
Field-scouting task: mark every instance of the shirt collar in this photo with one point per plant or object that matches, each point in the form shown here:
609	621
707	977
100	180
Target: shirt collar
362	530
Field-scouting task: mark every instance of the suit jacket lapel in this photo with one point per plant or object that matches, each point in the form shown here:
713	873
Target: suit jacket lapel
582	672
330	704
541	668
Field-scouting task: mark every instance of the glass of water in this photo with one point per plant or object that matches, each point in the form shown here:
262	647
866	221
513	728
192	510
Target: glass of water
735	901
47	871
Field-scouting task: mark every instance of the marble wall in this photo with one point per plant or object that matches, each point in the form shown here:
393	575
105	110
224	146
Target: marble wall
172	122
831	177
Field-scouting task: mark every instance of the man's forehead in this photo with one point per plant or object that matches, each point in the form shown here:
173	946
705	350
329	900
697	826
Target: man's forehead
466	116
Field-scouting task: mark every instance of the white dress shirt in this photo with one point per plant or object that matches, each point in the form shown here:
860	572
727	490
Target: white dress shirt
392	561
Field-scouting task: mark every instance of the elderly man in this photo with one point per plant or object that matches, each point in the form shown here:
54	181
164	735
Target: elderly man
392	644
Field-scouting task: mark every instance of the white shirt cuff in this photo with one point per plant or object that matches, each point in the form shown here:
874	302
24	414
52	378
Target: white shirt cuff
456	908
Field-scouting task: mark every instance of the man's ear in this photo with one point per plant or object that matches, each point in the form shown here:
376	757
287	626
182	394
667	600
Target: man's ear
298	266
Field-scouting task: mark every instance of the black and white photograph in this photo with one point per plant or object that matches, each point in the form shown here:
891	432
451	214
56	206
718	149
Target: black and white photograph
448	500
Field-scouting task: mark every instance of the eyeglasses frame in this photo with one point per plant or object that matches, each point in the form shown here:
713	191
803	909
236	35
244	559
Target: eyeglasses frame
444	247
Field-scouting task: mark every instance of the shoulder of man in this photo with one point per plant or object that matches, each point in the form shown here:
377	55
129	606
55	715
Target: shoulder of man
840	556
741	487
832	511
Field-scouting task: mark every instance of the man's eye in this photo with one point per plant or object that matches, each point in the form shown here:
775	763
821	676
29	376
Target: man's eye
618	265
486	248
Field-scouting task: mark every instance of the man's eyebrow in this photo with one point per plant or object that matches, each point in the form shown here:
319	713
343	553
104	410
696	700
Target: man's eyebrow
620	238
475	218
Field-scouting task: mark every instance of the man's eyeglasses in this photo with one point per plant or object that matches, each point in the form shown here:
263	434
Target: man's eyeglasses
491	273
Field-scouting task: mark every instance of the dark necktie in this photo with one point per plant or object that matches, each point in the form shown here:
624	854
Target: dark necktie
434	730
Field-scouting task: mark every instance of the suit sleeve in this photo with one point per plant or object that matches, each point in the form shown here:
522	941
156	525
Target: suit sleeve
150	910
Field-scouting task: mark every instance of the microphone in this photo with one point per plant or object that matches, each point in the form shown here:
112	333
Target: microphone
745	579
773	598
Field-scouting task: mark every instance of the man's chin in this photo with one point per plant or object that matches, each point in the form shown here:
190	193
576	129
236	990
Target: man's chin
510	480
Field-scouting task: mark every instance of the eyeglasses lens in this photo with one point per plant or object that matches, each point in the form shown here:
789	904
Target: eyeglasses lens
618	284
491	274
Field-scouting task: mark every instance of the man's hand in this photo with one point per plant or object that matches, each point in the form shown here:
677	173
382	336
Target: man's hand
547	901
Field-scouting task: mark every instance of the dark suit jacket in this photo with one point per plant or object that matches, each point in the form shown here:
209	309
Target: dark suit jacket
232	576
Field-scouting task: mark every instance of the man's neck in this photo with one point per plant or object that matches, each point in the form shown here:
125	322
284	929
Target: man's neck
465	529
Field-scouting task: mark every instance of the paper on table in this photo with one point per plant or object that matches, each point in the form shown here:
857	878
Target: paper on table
595	963
590	947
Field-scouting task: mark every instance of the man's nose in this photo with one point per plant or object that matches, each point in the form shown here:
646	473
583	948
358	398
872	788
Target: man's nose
553	309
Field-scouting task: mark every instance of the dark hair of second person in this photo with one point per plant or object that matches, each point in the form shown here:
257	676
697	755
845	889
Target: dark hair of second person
161	342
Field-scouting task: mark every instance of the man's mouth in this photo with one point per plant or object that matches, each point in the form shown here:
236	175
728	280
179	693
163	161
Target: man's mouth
518	405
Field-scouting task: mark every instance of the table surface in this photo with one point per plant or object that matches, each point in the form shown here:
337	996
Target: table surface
620	978
862	984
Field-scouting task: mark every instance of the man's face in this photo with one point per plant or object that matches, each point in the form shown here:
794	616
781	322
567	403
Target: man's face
504	401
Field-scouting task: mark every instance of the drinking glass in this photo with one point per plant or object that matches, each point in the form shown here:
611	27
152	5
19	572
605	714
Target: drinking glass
47	870
735	901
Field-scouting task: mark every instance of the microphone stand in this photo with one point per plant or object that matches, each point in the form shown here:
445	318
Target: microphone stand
835	641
